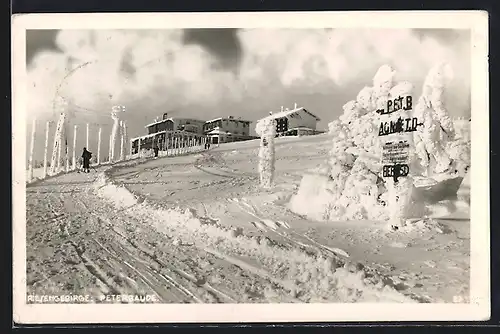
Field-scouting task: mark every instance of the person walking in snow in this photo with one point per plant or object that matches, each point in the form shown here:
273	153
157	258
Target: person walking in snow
86	155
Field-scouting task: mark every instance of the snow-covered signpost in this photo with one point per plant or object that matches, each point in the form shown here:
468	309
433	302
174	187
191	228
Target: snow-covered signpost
55	162
266	130
115	111
395	133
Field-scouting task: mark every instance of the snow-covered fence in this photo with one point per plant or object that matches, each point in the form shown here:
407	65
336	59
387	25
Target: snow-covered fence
61	162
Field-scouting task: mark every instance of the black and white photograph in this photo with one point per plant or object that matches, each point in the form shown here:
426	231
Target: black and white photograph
261	160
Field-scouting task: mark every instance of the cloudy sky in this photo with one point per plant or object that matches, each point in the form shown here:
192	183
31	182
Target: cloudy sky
207	73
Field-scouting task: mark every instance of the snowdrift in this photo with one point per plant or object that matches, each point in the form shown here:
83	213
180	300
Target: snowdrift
350	184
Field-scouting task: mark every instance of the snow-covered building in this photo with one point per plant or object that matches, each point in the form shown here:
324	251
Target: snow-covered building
176	124
166	129
227	129
297	121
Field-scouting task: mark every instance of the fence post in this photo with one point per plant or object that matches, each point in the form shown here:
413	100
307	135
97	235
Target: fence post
32	150
75	127
47	127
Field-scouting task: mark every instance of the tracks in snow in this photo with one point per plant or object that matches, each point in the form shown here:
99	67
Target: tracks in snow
280	227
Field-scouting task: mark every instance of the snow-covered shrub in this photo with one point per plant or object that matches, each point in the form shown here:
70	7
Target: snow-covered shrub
339	161
459	149
360	195
352	111
355	188
382	83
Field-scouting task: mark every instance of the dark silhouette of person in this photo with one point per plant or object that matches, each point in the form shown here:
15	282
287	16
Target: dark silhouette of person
155	148
86	155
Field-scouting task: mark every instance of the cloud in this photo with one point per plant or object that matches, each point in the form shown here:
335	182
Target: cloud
124	67
323	60
308	57
147	70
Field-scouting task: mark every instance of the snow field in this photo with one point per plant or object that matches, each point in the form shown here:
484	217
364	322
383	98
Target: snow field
308	277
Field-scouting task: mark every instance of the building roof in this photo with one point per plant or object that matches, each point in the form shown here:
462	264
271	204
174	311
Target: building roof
147	136
174	118
158	122
164	131
290	112
233	119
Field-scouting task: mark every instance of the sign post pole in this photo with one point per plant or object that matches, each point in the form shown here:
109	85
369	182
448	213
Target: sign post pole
395	132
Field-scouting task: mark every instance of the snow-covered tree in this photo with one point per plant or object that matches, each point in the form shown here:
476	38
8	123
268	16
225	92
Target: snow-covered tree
430	109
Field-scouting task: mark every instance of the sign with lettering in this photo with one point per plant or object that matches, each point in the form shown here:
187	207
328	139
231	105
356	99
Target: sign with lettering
395	171
399	126
395	159
397	104
396	153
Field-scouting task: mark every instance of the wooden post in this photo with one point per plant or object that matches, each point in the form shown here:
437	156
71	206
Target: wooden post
66	154
139	147
74	146
125	138
47	127
110	153
122	142
99	146
167	144
130	148
59	152
32	150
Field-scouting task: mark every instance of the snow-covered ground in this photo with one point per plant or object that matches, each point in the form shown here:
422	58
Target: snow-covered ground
197	228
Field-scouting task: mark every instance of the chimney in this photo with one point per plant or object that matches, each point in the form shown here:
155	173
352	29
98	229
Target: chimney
295	106
165	115
281	108
270	113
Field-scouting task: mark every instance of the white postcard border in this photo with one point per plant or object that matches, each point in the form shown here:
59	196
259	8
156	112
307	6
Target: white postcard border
479	307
